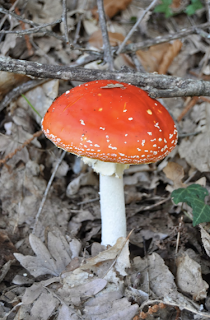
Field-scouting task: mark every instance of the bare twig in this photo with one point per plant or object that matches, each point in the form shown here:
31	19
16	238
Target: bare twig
207	5
26	36
46	192
157	85
106	44
137	62
64	19
31	30
130	33
6	15
18	90
133	47
46	31
9	156
179	234
79	23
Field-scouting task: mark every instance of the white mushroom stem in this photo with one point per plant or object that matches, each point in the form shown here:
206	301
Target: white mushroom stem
113	217
112	209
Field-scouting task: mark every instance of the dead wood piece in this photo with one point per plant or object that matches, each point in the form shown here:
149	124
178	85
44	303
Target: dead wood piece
157	85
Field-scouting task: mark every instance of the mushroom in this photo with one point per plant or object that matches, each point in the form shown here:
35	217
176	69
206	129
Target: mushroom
111	125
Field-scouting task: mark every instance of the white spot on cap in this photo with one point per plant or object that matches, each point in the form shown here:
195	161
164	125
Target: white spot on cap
170	135
96	145
160	139
102	128
143	142
82	122
138	149
154	145
149	133
126	135
67	91
130	119
110	146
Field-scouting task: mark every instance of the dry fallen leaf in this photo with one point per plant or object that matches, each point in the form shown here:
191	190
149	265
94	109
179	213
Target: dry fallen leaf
189	278
112	7
169	56
157	279
205	236
47	261
96	40
194	149
84	179
8	81
41	98
159	57
175	172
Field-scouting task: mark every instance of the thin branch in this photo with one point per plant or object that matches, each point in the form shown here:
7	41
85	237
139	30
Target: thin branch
207	5
137	62
79	23
157	85
31	30
6	15
46	192
133	47
130	33
46	31
9	156
106	44
64	19
16	92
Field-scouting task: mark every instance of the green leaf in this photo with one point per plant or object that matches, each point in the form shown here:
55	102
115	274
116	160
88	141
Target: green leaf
32	107
194	195
191	192
164	8
193	7
201	211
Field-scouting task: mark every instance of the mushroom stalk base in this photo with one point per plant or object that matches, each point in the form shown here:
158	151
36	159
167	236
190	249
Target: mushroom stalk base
112	209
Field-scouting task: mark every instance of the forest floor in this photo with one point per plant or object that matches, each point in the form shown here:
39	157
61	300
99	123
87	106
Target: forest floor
52	263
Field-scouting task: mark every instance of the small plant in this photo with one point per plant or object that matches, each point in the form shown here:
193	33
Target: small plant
165	7
193	7
194	195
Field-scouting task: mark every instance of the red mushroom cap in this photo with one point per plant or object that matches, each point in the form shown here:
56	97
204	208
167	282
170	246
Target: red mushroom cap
111	121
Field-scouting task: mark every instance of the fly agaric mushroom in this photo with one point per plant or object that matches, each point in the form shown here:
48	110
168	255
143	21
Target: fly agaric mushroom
111	125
